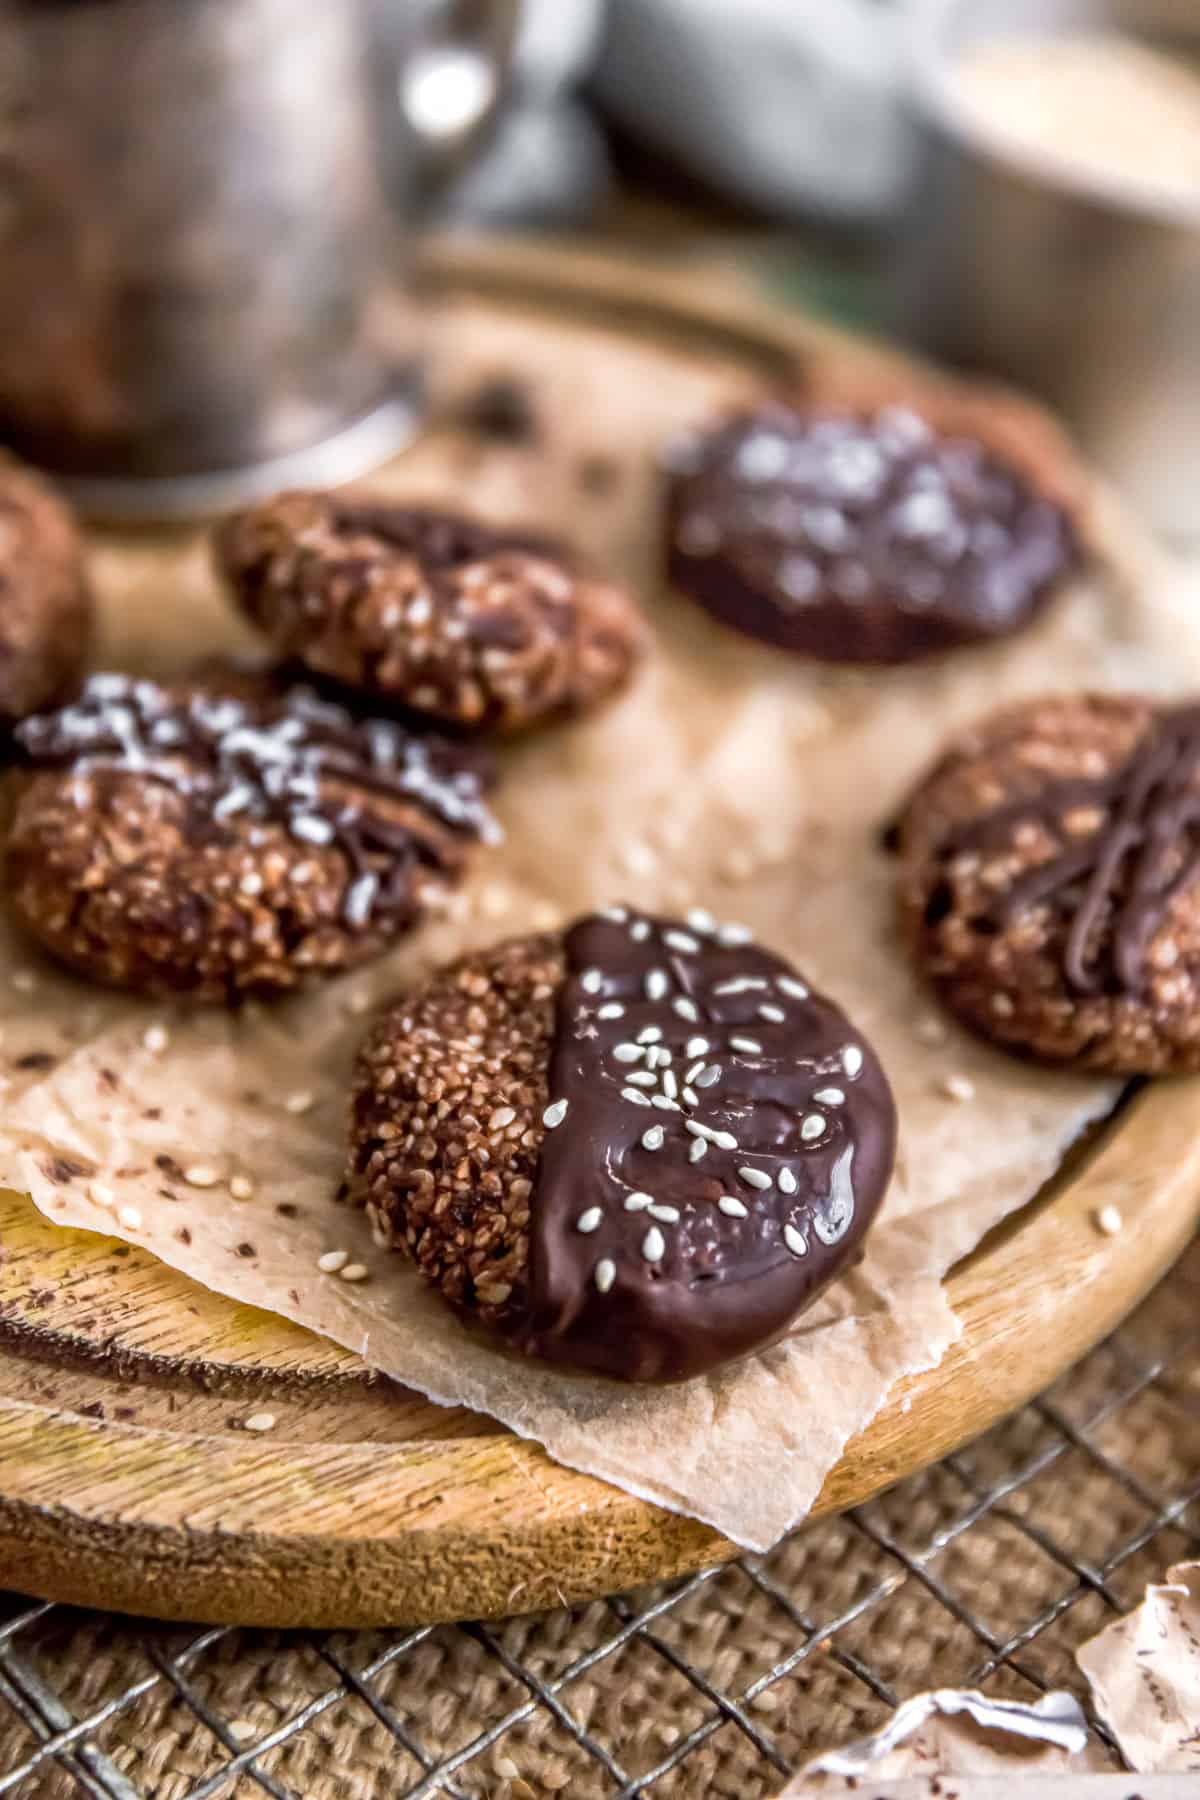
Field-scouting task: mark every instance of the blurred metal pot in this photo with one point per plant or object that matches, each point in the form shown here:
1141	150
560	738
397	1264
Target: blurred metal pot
1028	265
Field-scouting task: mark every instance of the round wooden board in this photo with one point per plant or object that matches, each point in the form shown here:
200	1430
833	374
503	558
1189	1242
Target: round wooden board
127	1479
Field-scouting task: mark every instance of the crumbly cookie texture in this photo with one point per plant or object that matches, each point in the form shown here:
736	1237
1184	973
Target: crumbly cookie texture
480	629
870	532
191	840
446	1122
45	607
1049	882
640	1148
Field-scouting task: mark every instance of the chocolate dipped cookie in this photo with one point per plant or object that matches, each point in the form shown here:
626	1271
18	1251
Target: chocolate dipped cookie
639	1148
866	535
1050	881
45	605
185	839
479	628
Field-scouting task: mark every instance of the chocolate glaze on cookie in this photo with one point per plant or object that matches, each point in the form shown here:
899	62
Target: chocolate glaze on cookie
1050	881
45	603
480	628
190	838
860	537
639	1149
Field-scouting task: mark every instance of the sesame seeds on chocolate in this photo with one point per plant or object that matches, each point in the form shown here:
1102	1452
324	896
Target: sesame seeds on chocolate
866	536
160	834
639	1248
478	627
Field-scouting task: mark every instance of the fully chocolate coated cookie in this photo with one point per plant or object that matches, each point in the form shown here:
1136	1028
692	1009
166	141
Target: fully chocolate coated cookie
45	607
479	628
1050	881
861	537
640	1148
187	839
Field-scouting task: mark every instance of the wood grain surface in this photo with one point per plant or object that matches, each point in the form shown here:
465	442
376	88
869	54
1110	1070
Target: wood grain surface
128	1479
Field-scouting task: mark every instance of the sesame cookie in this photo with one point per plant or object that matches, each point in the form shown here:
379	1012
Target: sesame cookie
1049	885
481	629
189	840
640	1147
869	535
45	608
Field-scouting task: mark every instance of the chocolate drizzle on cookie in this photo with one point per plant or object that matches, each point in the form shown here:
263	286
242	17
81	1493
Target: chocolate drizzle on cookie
1114	882
866	538
718	1139
293	760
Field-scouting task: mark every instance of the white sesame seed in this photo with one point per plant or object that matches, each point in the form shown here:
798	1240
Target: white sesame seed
830	1096
643	1078
811	1126
852	1060
670	1086
1003	1006
732	1207
795	1241
725	1140
668	1214
639	931
358	1002
651	1035
652	1137
590	1220
701	1131
611	1010
787	1181
709	1075
685	1008
748	1046
130	1218
957	1087
332	1261
733	935
681	941
1108	1220
617	914
260	1421
638	858
631	1093
699	1148
555	1113
699	920
740	984
665	1103
691	1097
656	984
503	1115
300	1102
755	1178
591	981
695	1046
929	1030
787	985
201	1175
657	1057
251	883
694	1070
638	1202
654	1245
605	1275
355	1272
628	1053
775	1015
241	1187
99	1195
155	1039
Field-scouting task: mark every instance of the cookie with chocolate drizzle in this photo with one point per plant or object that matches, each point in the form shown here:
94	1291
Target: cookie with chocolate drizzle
875	535
481	629
186	839
1050	882
639	1148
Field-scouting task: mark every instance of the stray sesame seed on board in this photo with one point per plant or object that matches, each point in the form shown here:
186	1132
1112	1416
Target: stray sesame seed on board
260	1421
1108	1220
332	1261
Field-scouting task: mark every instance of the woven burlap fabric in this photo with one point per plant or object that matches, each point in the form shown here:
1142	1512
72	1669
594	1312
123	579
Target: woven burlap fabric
945	1595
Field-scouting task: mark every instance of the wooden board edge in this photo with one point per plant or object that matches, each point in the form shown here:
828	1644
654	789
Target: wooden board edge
316	1562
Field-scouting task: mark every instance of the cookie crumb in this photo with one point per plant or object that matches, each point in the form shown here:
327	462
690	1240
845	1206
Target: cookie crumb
354	1272
201	1175
130	1218
241	1729
259	1421
100	1195
155	1039
930	1030
957	1087
1108	1220
241	1187
24	981
301	1101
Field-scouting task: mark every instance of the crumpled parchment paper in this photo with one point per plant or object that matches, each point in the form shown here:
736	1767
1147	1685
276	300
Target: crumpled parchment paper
1145	1675
729	777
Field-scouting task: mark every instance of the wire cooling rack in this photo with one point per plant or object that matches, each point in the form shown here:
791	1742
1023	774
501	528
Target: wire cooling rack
988	1570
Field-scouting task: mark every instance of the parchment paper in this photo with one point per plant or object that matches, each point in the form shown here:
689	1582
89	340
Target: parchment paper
1144	1672
729	777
